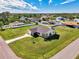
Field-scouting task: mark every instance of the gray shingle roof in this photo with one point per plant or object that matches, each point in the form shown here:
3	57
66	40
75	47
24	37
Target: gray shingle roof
40	29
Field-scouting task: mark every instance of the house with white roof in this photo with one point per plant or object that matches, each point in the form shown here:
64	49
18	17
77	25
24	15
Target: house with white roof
22	18
59	18
76	20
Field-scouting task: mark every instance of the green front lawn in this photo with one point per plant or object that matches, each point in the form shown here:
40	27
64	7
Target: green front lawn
13	33
37	48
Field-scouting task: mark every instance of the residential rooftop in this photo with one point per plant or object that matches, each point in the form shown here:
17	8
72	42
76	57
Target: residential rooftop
41	29
71	23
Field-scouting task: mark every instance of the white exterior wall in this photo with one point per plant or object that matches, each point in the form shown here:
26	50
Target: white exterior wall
76	20
48	33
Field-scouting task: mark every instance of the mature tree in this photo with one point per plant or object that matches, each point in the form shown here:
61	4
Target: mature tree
5	16
1	24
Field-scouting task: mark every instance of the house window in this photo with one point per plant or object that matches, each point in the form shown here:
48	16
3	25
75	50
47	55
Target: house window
45	35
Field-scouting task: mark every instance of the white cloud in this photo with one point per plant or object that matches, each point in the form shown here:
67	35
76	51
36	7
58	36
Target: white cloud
34	7
50	1
14	4
68	1
40	0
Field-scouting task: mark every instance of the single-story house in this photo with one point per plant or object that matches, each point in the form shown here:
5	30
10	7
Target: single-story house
51	22
76	20
44	22
22	18
44	16
71	24
5	26
33	19
42	31
59	18
16	24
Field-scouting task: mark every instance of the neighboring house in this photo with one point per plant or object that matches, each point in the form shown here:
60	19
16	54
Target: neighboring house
34	19
16	24
59	19
5	26
23	18
76	20
44	17
44	22
71	24
51	22
42	31
58	24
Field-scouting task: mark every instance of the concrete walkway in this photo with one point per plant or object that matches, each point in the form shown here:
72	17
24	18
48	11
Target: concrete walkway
70	52
5	51
18	38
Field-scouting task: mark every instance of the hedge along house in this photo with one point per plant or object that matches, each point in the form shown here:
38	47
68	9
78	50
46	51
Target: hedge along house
42	31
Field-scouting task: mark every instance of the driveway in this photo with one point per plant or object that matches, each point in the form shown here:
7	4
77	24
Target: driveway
18	38
69	52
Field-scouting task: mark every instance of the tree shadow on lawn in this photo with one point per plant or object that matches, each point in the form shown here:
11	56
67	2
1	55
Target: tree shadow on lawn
2	29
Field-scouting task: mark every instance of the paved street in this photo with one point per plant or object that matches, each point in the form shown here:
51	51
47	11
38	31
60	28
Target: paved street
69	52
5	51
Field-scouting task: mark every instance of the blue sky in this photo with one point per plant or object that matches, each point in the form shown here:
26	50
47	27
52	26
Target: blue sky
40	6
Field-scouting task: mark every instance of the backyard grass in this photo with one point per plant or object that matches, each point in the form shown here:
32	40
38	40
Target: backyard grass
13	33
37	48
